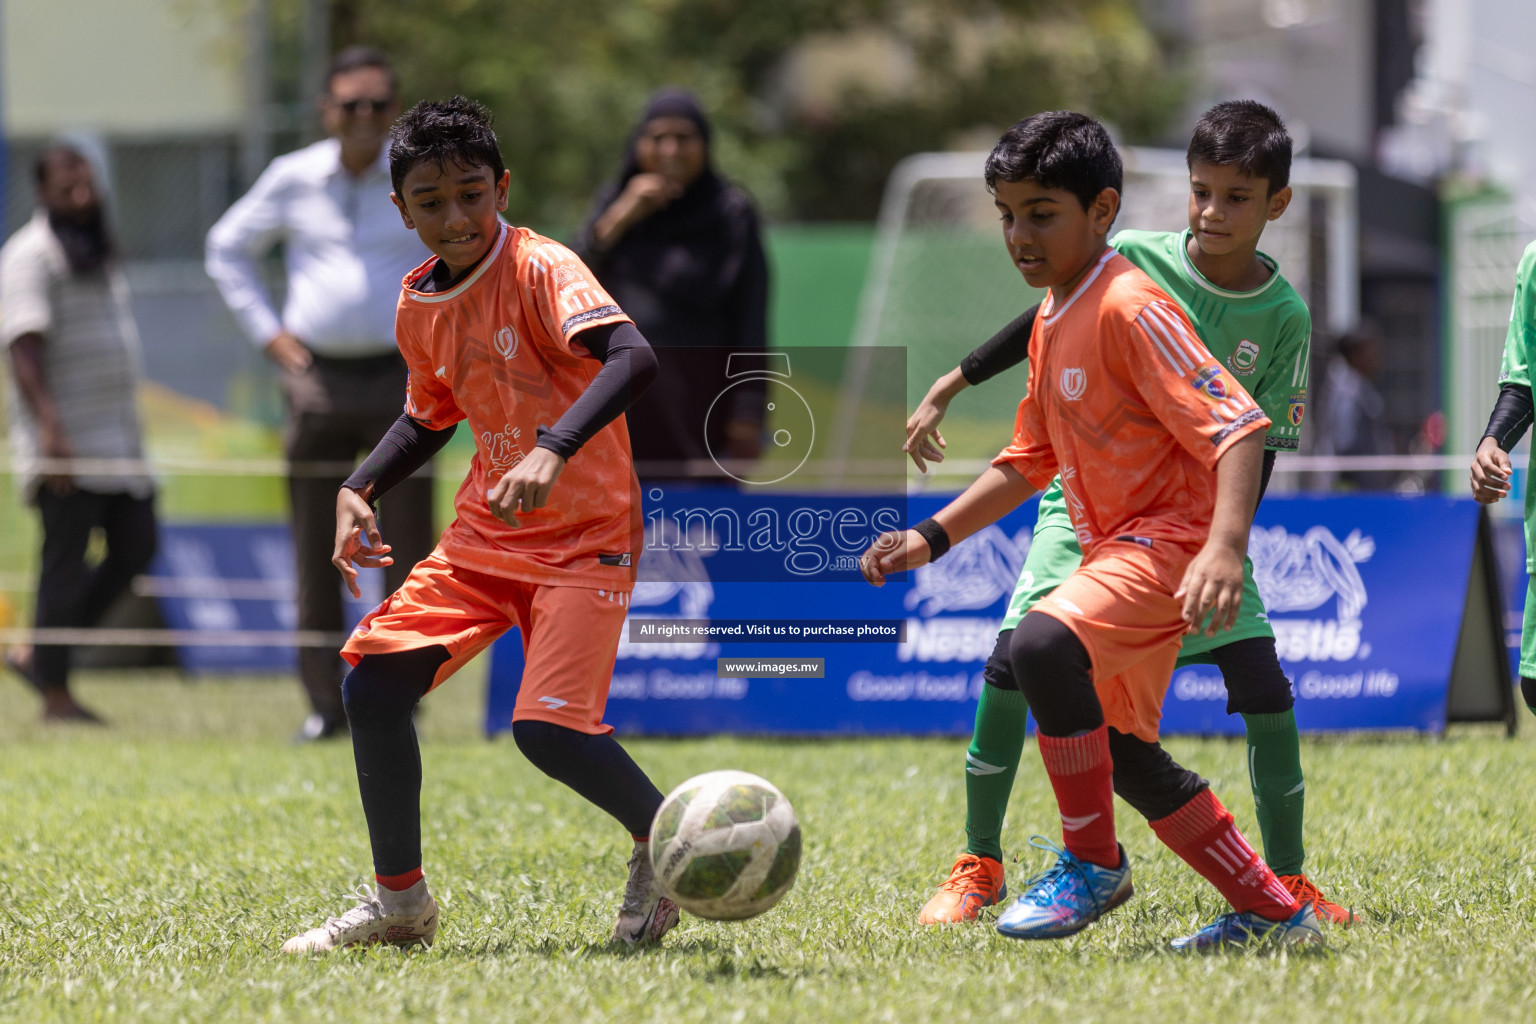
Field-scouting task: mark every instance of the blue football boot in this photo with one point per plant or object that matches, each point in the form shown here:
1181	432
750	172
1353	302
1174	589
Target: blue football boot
1245	929
1067	898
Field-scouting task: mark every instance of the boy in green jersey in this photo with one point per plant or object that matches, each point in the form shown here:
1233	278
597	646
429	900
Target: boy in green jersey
1491	468
1254	322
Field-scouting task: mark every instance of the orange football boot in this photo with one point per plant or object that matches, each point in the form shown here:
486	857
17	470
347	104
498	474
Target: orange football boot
1302	888
974	882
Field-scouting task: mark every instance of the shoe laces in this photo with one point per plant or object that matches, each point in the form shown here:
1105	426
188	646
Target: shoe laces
1041	889
368	909
967	870
1301	887
641	884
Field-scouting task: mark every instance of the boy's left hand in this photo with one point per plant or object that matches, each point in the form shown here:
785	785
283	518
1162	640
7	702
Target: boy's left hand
525	486
895	551
1213	584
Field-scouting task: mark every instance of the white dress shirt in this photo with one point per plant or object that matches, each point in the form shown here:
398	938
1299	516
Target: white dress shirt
344	248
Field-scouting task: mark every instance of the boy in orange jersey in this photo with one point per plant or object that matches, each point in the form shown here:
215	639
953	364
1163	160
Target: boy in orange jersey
1134	413
510	331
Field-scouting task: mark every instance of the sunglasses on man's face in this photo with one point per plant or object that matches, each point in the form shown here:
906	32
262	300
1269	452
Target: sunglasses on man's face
366	105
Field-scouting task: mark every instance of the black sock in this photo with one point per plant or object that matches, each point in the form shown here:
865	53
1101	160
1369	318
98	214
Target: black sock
379	695
594	766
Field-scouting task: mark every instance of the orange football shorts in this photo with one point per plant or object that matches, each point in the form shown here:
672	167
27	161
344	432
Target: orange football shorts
1119	604
570	635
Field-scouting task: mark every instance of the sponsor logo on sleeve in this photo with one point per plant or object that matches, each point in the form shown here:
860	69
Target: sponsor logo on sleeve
1297	410
1245	359
1210	381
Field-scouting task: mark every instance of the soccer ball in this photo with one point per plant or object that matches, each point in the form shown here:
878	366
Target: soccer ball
725	845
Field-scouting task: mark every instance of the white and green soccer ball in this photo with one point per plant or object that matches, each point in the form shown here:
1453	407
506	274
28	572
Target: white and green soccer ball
725	845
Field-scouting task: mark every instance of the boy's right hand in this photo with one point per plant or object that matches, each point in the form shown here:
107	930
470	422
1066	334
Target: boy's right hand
923	438
896	551
354	522
1491	472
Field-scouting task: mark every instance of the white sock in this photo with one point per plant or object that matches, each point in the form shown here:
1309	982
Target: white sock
406	901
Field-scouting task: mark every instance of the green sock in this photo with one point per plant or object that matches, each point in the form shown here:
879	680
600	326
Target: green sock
990	764
1279	792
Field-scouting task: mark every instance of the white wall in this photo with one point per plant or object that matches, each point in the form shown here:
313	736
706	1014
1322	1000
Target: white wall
120	67
1310	59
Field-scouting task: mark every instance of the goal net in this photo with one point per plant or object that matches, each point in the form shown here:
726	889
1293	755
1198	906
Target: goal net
939	283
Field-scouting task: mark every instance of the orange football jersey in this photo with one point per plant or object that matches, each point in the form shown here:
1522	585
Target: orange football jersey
1126	403
502	349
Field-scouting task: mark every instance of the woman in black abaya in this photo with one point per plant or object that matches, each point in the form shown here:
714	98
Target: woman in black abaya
678	247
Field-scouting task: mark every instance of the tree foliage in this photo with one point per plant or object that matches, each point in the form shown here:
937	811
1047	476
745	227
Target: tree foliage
566	81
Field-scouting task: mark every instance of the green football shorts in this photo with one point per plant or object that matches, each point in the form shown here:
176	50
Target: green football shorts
1527	632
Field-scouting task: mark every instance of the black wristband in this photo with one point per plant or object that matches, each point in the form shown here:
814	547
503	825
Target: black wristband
936	536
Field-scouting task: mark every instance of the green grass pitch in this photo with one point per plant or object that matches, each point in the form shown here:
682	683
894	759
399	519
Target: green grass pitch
151	870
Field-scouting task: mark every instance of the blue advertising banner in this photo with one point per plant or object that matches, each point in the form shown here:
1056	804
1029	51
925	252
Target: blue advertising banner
1366	596
223	577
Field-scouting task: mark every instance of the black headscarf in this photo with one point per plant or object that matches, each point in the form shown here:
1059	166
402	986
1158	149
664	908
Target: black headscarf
694	279
691	251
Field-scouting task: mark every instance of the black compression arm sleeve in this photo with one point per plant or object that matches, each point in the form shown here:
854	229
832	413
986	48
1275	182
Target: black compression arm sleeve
629	366
1511	415
1269	468
404	448
1007	348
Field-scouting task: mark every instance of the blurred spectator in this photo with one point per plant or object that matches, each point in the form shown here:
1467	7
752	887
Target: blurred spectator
678	248
74	359
1354	420
345	251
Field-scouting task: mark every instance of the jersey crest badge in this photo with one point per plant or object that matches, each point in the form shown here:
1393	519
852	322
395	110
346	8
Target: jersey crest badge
1245	359
1073	383
506	342
1209	380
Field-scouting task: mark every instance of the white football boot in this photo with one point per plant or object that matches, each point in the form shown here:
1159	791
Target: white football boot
369	923
645	915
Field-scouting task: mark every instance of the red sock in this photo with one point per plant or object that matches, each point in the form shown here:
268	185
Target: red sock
400	883
1202	833
1081	774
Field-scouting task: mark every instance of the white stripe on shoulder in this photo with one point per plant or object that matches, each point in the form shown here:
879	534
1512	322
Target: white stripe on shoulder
1174	334
1154	334
1175	319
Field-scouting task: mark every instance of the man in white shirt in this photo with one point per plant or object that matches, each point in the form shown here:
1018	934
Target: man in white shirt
345	252
74	361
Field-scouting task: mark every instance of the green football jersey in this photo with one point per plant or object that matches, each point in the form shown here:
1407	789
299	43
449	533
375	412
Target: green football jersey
1519	346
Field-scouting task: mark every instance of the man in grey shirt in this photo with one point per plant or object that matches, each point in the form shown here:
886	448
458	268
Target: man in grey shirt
74	360
345	252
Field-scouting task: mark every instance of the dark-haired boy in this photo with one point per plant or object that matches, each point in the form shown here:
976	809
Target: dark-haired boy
510	331
1134	414
1250	318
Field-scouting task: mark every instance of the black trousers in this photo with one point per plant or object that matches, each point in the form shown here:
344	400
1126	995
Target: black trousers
337	409
72	593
